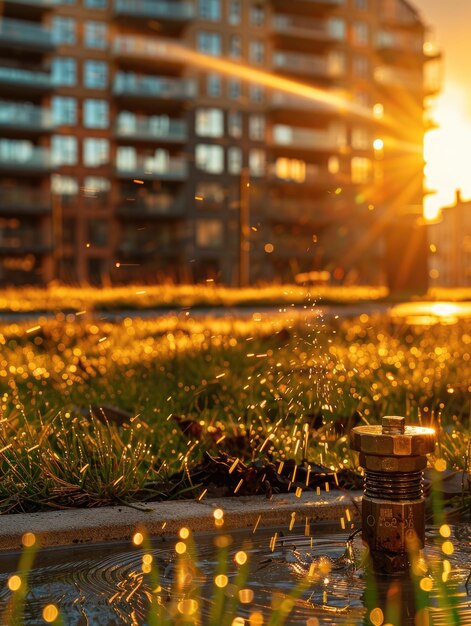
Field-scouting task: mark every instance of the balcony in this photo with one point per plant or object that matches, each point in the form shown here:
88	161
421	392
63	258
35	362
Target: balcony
153	168
154	52
18	200
23	117
302	27
18	80
22	157
314	66
24	36
306	7
30	9
409	80
159	89
152	129
177	12
160	207
24	241
308	138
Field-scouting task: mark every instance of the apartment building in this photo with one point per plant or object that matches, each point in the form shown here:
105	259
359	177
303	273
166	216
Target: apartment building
170	127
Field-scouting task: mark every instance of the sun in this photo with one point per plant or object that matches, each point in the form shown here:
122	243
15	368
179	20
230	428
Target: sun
447	152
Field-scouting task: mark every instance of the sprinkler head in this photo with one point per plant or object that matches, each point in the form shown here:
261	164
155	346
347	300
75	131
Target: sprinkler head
393	456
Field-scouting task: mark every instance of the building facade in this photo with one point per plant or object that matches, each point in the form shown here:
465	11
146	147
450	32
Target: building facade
148	140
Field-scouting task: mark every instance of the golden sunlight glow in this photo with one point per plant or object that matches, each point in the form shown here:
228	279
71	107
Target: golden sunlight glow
447	152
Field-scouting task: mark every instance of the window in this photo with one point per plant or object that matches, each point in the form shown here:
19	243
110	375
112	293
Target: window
333	165
234	160
96	152
64	71
336	62
234	12
64	111
209	10
212	193
95	113
257	52
209	233
98	232
96	35
209	122
256	92
126	159
213	85
235	47
96	4
361	170
290	169
257	162
64	150
360	33
96	187
64	30
209	43
64	185
360	138
210	158
64	2
235	88
257	15
336	28
361	5
95	74
361	67
257	127
234	123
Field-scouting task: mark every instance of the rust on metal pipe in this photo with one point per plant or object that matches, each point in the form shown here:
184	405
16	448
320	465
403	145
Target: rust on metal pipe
393	457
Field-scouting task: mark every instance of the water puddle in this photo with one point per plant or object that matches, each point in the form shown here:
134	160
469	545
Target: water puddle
104	584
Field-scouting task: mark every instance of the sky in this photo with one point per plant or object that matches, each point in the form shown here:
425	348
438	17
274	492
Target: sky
448	149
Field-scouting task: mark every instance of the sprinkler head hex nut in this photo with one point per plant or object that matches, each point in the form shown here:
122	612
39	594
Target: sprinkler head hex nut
414	441
392	463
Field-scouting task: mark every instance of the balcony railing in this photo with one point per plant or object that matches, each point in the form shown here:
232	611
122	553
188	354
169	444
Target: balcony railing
25	78
307	64
309	175
151	168
406	79
22	115
153	129
24	157
156	9
24	200
283	100
28	34
129	84
307	138
147	48
302	26
152	207
39	4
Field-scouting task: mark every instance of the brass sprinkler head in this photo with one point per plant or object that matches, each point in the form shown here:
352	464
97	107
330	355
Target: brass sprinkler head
393	456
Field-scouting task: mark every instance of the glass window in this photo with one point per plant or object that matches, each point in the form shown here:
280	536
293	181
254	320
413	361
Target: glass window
257	127
95	113
209	10
64	71
235	47
210	193
126	158
64	150
257	52
360	138
360	33
96	4
257	15
361	67
209	233
95	152
257	162
64	185
213	86
361	170
290	169
64	111
64	30
98	232
234	12
210	158
336	62
95	74
235	88
336	28
256	92
209	122
96	35
234	160
209	43
64	2
96	186
333	165
234	123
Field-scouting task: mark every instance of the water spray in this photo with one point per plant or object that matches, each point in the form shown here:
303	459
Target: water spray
393	456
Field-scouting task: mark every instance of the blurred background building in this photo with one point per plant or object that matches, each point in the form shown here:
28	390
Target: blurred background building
129	150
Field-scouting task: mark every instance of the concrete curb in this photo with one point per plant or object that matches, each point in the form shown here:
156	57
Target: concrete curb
81	526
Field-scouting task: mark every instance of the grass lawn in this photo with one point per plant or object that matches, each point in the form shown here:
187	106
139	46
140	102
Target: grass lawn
263	390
